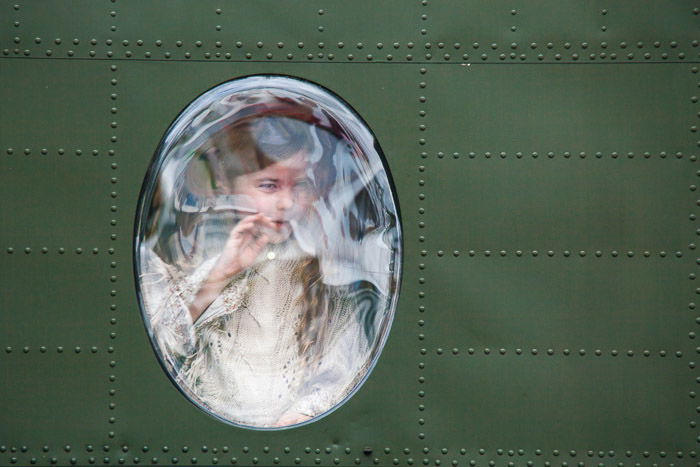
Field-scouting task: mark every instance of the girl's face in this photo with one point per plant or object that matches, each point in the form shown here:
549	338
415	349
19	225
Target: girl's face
281	191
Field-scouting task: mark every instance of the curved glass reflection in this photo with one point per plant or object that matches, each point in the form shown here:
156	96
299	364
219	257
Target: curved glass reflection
268	252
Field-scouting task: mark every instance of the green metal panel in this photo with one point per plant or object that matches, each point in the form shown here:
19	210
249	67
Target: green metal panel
545	161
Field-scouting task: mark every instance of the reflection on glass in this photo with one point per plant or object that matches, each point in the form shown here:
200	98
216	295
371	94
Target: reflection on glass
268	252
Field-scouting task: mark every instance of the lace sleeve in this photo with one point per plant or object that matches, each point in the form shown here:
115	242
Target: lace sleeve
167	294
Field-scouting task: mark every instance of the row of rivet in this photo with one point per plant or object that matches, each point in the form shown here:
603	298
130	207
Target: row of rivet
410	461
463	452
565	154
113	125
213	460
321	12
336	461
379	45
691	305
235	460
60	151
422	127
552	352
319	28
61	250
269	56
59	349
422	113
368	451
565	253
575	57
215	450
584	45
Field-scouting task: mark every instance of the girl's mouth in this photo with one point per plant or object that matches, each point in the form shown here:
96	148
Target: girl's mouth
282	231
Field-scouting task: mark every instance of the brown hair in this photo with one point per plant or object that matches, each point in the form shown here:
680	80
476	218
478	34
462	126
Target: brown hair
246	147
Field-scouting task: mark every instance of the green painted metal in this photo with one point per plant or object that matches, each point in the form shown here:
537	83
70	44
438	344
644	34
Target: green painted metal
545	161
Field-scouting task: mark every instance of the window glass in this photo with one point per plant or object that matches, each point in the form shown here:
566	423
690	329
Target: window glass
268	252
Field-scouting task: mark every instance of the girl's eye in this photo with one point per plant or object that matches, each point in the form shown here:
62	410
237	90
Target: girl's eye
267	186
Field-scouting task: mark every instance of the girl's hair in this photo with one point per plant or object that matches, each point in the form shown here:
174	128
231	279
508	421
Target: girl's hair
247	147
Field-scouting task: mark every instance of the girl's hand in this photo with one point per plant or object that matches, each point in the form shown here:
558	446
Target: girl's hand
245	242
291	418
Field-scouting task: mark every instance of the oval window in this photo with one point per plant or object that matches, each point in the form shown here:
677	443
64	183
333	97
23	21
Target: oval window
268	252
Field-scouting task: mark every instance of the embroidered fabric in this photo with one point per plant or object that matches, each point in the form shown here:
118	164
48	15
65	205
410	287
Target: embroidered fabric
241	358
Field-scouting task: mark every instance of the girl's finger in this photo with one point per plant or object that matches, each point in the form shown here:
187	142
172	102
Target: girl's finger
262	241
250	219
264	220
246	224
241	230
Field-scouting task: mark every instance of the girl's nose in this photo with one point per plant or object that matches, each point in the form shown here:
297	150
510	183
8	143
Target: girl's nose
285	199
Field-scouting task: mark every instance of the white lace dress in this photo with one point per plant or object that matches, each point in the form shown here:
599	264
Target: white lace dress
241	358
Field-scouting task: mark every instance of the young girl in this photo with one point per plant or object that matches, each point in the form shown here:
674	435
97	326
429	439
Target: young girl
271	331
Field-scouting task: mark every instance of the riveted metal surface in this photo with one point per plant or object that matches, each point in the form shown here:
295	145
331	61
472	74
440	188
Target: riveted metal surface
47	29
558	109
575	204
40	92
59	164
597	401
33	219
34	280
563	31
218	30
545	160
52	394
589	302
